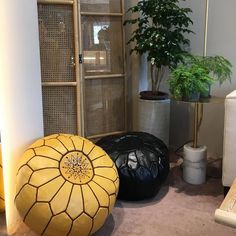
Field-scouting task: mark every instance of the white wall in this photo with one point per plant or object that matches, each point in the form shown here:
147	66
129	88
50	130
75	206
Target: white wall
221	41
20	91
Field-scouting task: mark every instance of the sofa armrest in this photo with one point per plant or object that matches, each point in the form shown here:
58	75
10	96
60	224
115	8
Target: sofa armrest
231	95
229	148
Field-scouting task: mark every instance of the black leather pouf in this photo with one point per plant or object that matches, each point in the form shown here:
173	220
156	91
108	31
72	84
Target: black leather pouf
142	162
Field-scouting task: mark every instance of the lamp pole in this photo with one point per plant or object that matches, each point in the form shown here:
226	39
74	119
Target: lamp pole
206	28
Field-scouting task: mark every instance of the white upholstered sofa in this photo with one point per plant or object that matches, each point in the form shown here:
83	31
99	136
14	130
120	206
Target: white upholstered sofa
229	150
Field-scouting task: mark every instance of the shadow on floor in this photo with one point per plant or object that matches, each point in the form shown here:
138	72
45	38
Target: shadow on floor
147	202
2	224
107	228
212	187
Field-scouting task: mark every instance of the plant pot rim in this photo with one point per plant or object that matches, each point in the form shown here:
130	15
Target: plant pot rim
164	101
150	95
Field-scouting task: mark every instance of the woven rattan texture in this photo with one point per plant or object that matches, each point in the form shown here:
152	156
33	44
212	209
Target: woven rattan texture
59	110
105	106
56	42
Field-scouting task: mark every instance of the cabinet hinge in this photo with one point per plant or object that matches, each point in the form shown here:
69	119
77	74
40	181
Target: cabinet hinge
80	58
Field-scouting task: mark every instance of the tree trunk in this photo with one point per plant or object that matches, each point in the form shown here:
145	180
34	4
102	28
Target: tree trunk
153	78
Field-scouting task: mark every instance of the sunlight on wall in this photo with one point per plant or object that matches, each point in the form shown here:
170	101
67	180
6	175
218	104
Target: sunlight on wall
20	92
2	197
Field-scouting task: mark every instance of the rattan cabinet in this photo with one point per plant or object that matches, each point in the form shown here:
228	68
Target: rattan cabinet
83	66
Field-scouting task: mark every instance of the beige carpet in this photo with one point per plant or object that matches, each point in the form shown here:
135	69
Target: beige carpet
178	209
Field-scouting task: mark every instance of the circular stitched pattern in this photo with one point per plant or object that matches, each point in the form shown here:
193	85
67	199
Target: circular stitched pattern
142	162
66	185
76	168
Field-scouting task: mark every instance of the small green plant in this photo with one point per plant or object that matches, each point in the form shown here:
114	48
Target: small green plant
162	27
186	81
197	73
216	66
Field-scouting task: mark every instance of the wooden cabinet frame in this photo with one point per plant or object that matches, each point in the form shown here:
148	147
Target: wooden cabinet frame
80	78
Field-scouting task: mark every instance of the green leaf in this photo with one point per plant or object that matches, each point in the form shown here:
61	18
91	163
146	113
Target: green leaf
162	27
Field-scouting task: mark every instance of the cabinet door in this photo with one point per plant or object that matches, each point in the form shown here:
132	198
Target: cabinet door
82	66
103	67
59	67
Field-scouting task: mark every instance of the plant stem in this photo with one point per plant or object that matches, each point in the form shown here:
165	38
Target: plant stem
160	74
153	78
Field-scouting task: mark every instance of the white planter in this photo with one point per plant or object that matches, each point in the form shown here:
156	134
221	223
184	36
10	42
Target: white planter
194	165
154	118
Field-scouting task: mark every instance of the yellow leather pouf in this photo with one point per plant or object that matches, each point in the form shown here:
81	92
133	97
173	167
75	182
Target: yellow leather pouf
66	185
1	184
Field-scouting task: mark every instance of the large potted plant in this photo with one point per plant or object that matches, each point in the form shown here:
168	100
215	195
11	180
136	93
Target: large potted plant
162	26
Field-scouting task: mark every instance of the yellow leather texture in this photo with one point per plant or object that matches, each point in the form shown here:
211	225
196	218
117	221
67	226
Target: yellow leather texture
1	184
66	185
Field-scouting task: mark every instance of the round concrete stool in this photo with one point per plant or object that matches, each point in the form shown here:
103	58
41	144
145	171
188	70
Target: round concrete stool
66	185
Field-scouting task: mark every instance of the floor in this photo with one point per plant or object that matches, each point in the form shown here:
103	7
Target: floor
2	224
178	209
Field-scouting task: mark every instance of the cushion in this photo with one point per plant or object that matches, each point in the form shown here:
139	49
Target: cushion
142	162
66	185
229	147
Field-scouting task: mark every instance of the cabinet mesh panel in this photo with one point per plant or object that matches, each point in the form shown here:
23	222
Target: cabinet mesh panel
105	106
59	111
110	6
108	53
56	42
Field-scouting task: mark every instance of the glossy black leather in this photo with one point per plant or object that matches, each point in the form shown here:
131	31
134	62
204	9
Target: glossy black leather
142	162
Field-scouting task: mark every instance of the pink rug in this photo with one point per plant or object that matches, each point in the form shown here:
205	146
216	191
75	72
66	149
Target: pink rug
178	209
